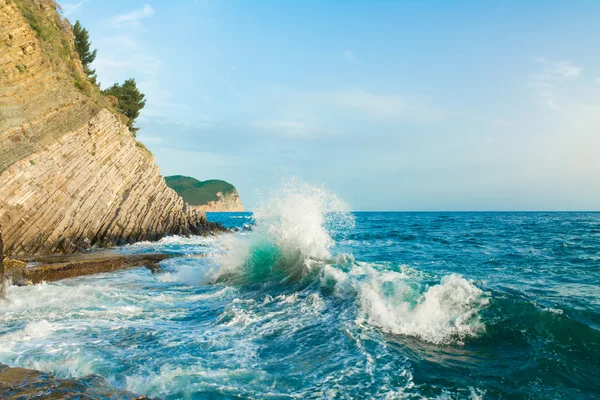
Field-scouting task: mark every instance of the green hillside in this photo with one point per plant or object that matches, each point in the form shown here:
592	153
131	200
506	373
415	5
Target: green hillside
197	193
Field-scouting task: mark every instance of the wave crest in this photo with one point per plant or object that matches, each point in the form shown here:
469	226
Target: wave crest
444	313
292	240
290	236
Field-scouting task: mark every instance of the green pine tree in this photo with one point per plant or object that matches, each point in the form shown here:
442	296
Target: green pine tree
82	45
131	100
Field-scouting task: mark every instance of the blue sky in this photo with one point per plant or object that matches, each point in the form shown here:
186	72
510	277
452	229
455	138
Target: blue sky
405	105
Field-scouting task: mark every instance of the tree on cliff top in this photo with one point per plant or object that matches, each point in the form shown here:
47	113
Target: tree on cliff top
131	100
82	45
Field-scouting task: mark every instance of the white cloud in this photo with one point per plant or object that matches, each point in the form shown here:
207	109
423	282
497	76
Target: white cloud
598	81
574	104
554	73
284	128
230	72
70	8
554	70
349	55
134	16
344	111
391	107
149	139
503	123
311	114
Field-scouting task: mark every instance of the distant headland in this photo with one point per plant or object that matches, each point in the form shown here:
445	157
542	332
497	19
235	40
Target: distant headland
208	196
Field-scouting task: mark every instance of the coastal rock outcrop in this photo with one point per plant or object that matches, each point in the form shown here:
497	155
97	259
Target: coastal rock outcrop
71	173
229	202
1	264
21	383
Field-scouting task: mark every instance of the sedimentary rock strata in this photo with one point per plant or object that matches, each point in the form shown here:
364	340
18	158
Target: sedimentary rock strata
1	263
71	173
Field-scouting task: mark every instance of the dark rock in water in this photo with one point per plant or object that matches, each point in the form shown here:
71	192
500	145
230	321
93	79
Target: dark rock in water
154	268
56	267
21	383
245	228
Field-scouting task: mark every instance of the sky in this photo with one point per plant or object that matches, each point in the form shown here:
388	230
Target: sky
393	105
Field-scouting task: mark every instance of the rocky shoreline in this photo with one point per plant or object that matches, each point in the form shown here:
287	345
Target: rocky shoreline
21	383
73	178
35	270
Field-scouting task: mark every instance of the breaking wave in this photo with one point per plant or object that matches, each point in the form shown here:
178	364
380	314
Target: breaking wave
290	238
309	305
292	242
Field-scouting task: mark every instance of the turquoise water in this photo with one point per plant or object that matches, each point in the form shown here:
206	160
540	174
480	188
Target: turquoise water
316	302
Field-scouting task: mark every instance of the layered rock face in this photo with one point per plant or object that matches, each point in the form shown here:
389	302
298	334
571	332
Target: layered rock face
1	263
71	173
38	100
229	202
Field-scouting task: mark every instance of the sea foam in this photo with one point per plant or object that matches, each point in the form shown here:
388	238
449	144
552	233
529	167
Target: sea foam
292	239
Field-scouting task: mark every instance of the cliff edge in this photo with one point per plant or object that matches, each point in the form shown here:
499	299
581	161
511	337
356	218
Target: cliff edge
71	173
206	196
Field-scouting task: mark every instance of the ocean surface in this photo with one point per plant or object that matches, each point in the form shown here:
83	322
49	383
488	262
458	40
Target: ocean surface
315	302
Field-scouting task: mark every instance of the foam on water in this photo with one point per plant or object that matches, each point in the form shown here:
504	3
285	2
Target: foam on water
192	245
399	303
443	313
291	238
284	311
33	330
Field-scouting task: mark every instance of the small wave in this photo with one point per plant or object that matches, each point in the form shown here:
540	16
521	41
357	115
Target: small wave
31	331
184	382
189	274
556	311
177	240
191	245
444	313
397	303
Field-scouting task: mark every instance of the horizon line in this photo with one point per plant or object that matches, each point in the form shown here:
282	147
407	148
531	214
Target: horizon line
441	211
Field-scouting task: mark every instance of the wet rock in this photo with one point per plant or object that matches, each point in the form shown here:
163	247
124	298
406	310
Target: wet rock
12	264
25	384
53	268
154	268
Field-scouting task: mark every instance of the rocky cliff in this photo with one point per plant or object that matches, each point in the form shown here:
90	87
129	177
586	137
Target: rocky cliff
206	196
1	265
71	173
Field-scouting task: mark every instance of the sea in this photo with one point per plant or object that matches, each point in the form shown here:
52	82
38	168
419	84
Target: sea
308	300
